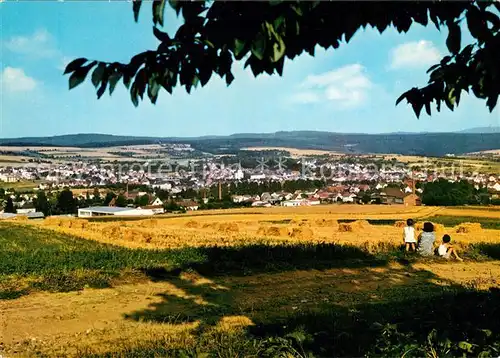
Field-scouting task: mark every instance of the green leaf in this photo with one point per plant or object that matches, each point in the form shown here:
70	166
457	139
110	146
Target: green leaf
449	99
133	95
239	48
454	37
97	74
162	36
136	6
433	67
140	82
102	89
195	81
126	80
74	65
158	11
176	5
417	107
428	108
113	80
403	96
153	89
229	78
492	102
79	75
259	46
466	346
476	24
278	44
279	66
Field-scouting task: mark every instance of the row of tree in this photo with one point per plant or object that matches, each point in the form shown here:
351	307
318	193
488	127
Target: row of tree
445	193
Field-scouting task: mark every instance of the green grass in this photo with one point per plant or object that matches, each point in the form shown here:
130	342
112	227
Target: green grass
414	320
481	208
486	223
33	258
56	262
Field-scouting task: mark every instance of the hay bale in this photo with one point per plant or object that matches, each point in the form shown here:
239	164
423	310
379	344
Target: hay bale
148	223
400	224
112	231
326	223
229	227
65	223
276	231
467	227
51	221
20	218
209	226
191	224
79	224
437	227
361	224
344	227
261	230
301	233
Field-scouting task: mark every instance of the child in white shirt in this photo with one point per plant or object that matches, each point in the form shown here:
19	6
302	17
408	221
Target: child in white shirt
446	250
409	236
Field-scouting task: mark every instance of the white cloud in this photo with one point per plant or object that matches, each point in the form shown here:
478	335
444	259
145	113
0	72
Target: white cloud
40	44
64	62
15	80
306	97
414	55
347	86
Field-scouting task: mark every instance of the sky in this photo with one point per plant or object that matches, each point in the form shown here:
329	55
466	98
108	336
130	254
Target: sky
352	89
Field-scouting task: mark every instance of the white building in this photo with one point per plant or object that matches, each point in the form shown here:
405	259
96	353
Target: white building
112	210
292	203
257	176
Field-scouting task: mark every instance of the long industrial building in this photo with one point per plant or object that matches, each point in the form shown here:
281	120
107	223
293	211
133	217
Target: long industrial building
113	210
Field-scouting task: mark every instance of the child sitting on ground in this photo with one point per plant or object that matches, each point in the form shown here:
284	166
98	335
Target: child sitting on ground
446	250
409	236
426	240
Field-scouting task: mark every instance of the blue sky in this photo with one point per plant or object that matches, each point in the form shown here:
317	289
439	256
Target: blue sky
351	89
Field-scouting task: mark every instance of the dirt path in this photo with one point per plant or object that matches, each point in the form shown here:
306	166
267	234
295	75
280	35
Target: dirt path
103	319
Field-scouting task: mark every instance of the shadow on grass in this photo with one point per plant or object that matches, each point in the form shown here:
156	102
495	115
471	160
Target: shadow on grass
252	259
491	251
34	259
367	310
450	324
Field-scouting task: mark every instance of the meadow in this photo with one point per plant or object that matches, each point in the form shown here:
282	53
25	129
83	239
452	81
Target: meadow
306	282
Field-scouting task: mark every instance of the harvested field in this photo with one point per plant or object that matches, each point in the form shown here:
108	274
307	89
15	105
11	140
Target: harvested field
222	283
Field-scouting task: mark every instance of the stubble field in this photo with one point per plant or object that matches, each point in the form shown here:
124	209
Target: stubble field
327	281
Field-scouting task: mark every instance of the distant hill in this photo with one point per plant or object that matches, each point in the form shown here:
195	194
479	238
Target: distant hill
493	129
429	144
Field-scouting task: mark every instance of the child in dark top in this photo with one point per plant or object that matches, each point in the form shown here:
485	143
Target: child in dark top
426	240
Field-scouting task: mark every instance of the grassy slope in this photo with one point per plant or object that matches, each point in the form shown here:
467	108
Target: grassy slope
288	292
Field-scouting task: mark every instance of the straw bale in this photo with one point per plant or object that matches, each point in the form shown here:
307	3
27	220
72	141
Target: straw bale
301	233
229	227
468	227
400	223
192	224
51	221
276	231
361	224
345	227
149	223
326	223
21	218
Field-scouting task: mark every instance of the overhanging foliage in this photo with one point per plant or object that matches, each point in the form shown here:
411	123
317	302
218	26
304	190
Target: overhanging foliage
265	33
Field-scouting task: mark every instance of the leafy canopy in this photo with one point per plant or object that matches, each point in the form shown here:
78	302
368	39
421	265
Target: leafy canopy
265	33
